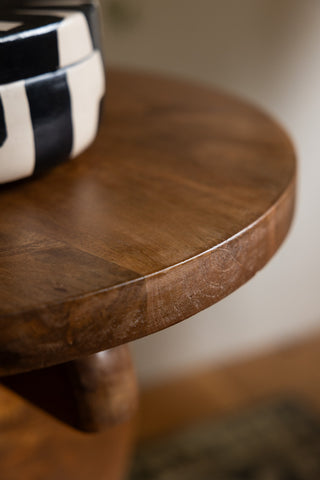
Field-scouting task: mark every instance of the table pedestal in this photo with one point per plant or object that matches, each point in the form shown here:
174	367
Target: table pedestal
44	415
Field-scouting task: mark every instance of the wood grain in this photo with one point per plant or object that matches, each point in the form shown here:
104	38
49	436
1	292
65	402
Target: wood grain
90	394
185	195
105	388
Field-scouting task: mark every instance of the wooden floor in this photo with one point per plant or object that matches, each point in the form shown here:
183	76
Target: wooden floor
214	392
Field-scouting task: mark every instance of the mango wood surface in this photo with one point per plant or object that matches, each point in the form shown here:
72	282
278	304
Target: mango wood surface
184	196
105	388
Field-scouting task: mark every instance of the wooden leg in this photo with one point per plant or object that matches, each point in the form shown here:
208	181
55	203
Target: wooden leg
93	393
105	388
90	394
35	446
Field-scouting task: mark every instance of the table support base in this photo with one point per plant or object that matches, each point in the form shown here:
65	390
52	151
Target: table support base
93	393
105	388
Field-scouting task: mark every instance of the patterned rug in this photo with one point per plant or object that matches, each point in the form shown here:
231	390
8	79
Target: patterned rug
274	441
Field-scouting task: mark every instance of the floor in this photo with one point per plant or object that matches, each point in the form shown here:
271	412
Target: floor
216	392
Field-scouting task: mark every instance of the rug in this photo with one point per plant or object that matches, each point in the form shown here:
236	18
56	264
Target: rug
279	440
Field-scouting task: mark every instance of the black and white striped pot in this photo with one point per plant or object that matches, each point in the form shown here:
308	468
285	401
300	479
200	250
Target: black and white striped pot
51	85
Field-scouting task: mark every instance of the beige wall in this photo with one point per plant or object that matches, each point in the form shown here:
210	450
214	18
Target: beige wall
269	52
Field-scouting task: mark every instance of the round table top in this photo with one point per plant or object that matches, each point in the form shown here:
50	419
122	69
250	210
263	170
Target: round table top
185	194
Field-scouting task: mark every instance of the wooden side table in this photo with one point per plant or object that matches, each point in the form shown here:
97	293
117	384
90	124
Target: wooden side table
185	195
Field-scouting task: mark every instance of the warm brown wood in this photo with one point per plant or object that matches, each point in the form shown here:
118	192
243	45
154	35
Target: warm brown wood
290	371
34	446
90	394
105	388
184	196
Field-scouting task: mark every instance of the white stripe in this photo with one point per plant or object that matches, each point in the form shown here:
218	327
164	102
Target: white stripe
74	38
6	26
17	155
87	86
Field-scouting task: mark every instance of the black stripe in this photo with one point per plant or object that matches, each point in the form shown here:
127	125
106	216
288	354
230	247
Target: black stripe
24	56
90	11
30	21
50	108
3	127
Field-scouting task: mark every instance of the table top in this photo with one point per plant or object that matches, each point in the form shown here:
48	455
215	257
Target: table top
184	196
